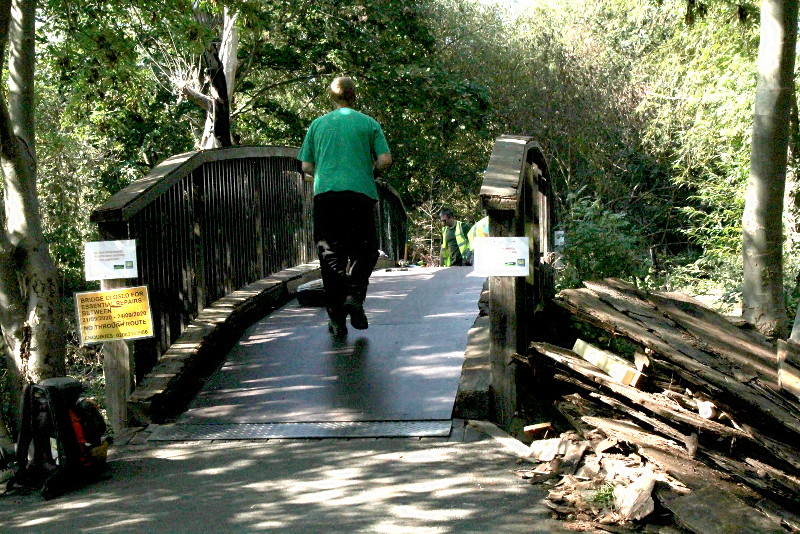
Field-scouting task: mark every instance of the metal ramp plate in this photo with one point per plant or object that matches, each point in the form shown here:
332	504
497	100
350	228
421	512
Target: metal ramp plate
335	429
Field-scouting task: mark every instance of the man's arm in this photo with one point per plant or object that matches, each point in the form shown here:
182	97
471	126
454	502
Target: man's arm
465	231
469	253
308	171
382	163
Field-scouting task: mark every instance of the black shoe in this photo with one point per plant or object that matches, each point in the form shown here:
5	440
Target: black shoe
336	328
358	319
337	322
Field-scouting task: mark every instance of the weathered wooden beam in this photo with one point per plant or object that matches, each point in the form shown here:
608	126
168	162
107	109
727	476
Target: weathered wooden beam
692	362
661	450
707	329
117	372
499	203
505	294
502	174
645	400
712	511
788	361
616	367
769	447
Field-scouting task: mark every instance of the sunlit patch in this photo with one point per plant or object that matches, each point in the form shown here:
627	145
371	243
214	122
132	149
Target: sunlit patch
450	315
264	525
266	337
424	371
435	455
384	295
40	521
418	512
257	392
233	466
321	497
127	522
171	454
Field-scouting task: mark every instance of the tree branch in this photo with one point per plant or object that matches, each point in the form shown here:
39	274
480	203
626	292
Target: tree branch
247	106
204	101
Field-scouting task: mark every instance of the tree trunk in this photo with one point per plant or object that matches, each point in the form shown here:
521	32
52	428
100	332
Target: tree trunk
218	119
31	319
762	228
221	64
228	51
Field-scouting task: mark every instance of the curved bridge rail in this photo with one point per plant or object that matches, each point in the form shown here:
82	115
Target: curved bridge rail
210	222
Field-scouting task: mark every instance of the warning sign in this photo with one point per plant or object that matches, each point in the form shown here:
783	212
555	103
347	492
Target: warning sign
114	314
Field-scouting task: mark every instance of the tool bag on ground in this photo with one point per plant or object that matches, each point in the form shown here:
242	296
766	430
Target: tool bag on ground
61	441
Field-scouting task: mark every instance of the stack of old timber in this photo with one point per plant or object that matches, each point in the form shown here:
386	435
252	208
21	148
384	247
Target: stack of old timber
698	398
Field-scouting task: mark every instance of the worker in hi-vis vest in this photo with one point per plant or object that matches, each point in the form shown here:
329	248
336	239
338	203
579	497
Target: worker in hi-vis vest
479	229
455	242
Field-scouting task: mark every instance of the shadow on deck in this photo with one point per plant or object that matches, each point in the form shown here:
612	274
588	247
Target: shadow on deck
287	377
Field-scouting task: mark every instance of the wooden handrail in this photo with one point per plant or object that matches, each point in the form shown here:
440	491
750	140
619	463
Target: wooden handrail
129	200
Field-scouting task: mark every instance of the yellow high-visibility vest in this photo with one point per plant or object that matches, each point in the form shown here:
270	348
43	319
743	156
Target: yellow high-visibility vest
463	244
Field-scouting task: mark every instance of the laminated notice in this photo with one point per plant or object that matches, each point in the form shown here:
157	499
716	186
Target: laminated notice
501	256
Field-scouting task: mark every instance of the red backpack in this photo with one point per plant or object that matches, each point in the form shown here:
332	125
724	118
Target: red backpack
61	440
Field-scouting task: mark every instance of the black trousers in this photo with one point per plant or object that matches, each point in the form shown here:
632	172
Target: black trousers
347	245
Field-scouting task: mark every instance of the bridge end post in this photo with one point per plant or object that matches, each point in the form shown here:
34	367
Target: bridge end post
517	197
503	296
117	371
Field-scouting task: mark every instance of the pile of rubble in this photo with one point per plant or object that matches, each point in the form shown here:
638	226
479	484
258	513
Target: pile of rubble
689	425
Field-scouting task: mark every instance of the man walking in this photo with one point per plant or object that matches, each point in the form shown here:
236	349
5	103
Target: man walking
455	241
345	150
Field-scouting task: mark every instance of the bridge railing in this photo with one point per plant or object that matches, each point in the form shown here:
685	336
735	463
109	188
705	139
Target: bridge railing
207	223
518	197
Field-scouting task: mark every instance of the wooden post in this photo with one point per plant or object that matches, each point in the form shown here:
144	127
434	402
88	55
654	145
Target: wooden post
503	327
117	371
514	193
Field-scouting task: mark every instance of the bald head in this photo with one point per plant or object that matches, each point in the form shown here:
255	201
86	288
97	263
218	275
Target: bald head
343	91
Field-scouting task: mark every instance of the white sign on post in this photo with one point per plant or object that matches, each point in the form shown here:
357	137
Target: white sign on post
108	260
501	256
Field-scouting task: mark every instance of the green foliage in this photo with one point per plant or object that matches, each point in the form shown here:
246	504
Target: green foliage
700	107
647	115
599	244
603	496
434	117
108	109
644	119
644	111
564	73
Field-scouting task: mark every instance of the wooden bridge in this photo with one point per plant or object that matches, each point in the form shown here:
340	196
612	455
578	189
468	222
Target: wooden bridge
224	239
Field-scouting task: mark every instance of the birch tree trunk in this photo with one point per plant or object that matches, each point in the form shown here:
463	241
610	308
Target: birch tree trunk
221	64
31	315
762	228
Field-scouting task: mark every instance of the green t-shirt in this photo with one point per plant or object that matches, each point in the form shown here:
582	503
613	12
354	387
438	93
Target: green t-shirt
342	145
